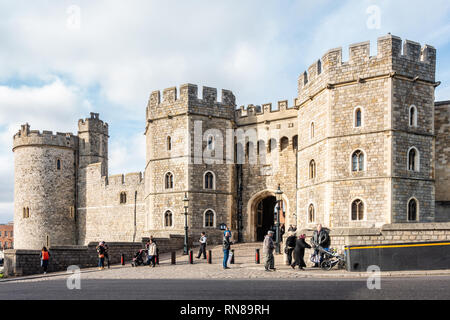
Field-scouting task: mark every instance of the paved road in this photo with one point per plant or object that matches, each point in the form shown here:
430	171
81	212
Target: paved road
164	289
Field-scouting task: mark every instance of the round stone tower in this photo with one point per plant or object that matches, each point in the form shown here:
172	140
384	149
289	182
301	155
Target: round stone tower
44	189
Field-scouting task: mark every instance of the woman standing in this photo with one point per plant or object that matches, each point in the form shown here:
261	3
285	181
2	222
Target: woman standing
101	256
299	252
45	257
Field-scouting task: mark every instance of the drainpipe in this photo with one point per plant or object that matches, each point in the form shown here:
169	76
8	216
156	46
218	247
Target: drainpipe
135	201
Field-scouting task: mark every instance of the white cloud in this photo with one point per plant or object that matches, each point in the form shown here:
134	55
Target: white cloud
127	153
54	75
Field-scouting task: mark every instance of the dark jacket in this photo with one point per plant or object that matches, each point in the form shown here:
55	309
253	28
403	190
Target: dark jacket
321	239
226	243
299	252
290	241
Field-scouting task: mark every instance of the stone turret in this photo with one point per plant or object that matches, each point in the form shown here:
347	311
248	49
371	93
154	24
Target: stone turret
93	135
44	188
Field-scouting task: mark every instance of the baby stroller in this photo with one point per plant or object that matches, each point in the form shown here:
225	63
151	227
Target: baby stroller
330	259
138	259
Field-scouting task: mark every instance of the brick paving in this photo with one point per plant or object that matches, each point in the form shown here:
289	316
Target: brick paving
244	268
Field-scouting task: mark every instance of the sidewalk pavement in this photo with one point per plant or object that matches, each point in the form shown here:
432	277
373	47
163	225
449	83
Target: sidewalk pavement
244	268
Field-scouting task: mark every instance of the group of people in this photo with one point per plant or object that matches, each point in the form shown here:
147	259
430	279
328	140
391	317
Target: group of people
296	246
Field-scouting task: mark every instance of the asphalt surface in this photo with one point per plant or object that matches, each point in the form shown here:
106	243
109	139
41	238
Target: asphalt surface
424	288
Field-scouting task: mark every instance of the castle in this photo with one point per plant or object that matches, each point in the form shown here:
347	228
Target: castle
364	145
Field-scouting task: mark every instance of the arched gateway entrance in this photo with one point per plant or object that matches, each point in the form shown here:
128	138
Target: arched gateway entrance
262	214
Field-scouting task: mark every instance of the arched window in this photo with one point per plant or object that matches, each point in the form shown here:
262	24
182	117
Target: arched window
358	161
169	180
357	210
169	143
413	116
261	148
312	131
295	143
209	181
284	143
123	197
250	152
209	218
358	118
413	160
413	210
311	214
168	219
312	169
272	145
26	213
58	164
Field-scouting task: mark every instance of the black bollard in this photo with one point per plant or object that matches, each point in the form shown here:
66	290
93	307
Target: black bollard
232	257
191	257
257	257
157	258
174	258
209	257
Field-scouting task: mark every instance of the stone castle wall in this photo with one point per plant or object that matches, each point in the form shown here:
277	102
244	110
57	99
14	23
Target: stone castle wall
383	87
273	164
320	126
442	131
44	199
104	217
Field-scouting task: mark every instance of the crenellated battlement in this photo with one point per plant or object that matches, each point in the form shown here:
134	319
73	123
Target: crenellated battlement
406	58
93	124
265	112
130	179
27	137
94	176
189	92
174	101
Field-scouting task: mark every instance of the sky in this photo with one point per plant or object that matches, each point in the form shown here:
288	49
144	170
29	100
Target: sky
61	60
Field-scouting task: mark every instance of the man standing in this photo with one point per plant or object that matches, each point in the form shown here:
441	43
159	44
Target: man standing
320	239
202	241
268	247
106	254
226	249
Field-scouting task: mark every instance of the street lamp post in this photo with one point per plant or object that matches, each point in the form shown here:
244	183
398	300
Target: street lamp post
279	196
186	207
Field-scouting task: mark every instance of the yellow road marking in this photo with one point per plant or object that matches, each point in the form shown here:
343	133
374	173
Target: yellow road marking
401	246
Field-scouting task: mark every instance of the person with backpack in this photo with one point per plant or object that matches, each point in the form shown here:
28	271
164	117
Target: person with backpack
45	258
290	246
101	256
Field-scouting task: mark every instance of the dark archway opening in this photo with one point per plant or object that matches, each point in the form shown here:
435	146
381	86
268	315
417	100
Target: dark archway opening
265	217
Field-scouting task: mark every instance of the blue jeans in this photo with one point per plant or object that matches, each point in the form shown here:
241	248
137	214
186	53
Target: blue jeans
226	253
101	262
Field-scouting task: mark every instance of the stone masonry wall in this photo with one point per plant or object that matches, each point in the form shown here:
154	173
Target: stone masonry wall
103	217
27	262
44	196
442	131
